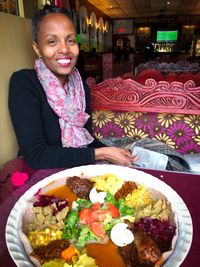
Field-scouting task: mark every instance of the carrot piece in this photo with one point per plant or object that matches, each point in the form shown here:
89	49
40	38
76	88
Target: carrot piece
68	253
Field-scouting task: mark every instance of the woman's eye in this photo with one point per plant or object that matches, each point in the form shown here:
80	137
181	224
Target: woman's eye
52	42
71	40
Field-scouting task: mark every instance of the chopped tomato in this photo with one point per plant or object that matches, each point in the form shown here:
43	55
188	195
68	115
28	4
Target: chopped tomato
113	210
98	229
96	206
94	217
88	215
98	215
84	216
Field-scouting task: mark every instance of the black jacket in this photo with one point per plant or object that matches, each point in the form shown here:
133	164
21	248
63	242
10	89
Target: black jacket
37	127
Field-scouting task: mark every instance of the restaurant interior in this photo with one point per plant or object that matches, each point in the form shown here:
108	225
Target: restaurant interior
141	61
134	40
165	31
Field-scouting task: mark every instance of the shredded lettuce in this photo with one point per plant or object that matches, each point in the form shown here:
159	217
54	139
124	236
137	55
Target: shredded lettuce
70	230
85	236
110	198
83	203
123	208
109	222
73	231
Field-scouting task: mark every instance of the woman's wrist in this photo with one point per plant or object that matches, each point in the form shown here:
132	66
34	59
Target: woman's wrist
100	153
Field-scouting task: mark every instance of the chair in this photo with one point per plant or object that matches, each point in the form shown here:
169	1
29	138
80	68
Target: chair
142	76
185	76
171	77
197	79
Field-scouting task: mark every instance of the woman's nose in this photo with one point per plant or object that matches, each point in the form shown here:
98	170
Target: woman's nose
64	48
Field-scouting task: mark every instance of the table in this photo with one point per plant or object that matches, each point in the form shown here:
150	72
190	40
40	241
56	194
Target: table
186	185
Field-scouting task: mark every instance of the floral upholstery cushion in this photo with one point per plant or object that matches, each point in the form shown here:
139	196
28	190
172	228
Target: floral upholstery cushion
181	132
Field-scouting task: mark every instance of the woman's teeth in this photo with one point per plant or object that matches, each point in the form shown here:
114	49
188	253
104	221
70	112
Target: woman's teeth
64	61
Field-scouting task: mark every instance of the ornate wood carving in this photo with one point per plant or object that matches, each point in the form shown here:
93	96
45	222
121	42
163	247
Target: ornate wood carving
127	95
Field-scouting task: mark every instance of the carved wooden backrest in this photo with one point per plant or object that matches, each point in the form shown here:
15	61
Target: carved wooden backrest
167	112
120	94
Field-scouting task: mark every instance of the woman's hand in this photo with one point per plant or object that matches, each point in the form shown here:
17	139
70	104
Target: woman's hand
116	155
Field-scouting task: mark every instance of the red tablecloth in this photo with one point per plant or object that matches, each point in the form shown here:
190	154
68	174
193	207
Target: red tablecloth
186	185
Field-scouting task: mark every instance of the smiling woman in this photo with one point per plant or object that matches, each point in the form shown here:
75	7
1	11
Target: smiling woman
50	105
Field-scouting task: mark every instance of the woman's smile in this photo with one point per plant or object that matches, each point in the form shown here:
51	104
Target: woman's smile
64	62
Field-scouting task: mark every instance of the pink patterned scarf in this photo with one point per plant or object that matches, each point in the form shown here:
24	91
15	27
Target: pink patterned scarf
68	103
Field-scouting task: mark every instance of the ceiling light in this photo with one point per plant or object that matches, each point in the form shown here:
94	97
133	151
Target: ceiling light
112	7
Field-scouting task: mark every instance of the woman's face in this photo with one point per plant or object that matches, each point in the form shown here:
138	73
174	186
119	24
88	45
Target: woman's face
57	45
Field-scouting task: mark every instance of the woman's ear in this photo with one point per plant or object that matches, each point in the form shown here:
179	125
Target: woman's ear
36	49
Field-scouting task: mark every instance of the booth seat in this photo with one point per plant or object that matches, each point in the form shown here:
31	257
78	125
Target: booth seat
168	112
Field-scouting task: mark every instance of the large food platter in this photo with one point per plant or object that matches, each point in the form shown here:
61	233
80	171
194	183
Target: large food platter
185	229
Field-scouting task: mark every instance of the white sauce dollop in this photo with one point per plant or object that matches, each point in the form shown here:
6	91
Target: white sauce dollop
97	196
74	205
120	235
